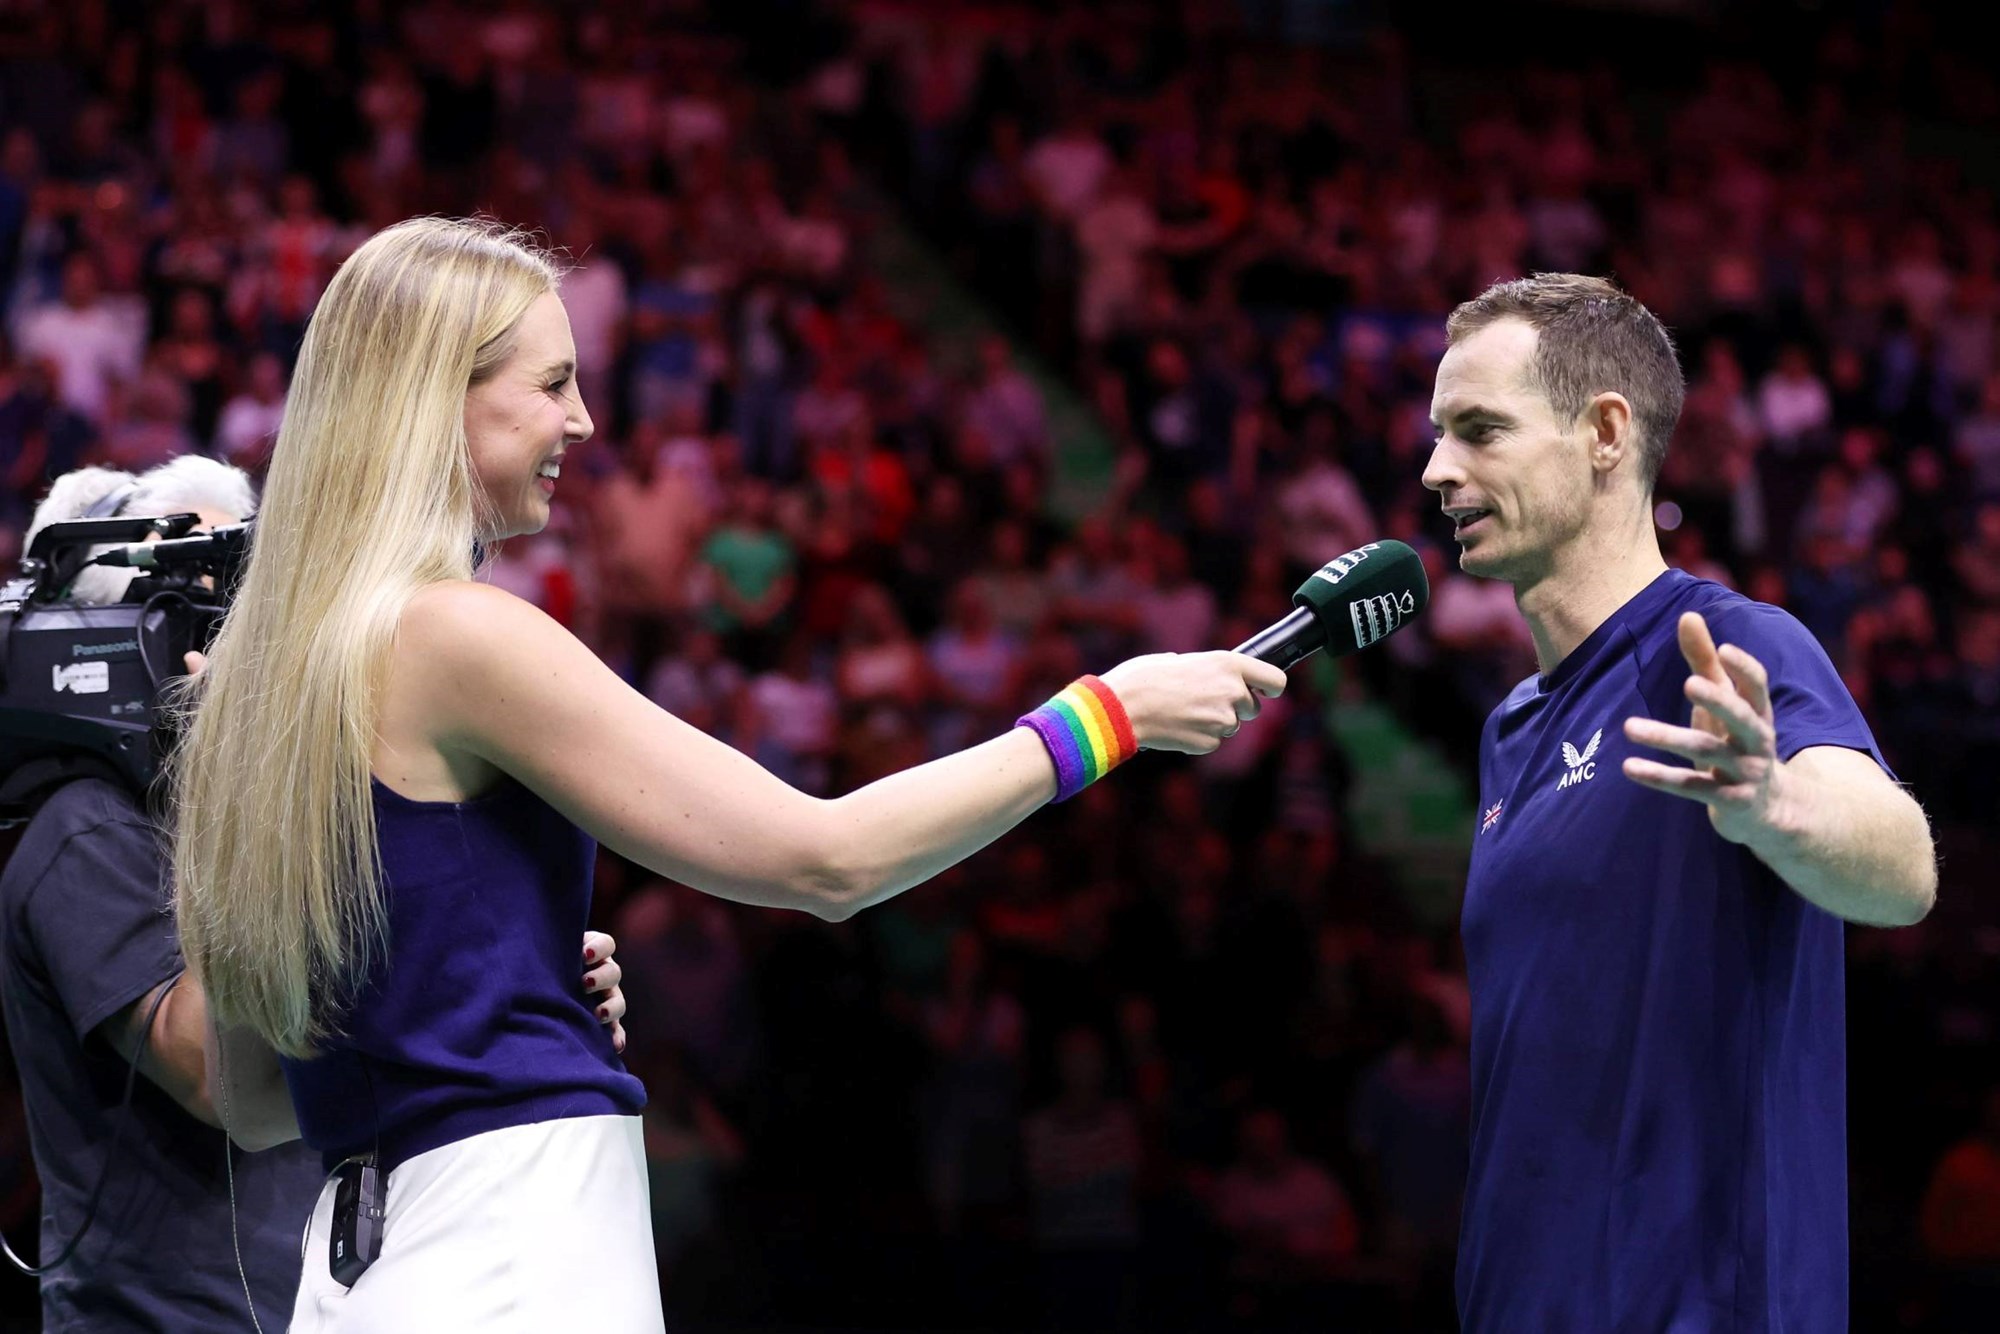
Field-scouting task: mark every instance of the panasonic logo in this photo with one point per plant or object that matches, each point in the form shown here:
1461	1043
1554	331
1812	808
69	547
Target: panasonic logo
98	650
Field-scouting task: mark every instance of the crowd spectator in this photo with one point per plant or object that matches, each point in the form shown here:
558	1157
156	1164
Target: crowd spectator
95	341
1961	1218
1290	1226
1083	1154
825	523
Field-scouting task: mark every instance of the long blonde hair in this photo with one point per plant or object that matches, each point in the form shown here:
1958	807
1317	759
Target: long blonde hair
370	497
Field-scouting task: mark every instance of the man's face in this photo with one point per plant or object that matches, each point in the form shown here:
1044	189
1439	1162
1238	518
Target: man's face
79	282
1516	482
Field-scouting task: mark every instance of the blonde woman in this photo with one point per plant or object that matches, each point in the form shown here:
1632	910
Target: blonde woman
91	980
396	780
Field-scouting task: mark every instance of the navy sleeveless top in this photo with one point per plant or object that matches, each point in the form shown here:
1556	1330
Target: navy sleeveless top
477	1019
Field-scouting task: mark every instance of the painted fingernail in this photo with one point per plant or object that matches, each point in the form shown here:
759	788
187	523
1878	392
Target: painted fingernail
604	1012
590	956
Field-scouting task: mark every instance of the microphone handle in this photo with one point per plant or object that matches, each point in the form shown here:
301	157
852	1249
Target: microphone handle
1296	637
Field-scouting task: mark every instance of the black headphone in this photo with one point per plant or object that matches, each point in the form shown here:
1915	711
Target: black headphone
107	506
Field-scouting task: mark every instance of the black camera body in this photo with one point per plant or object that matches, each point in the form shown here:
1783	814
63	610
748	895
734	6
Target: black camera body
80	684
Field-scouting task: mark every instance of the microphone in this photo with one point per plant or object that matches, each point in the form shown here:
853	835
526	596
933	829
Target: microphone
1350	602
228	540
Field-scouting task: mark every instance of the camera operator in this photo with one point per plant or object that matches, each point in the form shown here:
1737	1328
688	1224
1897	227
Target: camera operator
91	975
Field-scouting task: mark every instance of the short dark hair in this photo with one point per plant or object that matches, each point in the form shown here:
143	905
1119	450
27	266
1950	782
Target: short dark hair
1594	339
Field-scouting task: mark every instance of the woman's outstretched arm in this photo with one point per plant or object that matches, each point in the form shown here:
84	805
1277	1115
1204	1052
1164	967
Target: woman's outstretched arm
494	677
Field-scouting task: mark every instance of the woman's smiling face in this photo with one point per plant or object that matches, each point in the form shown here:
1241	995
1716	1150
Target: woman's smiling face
520	420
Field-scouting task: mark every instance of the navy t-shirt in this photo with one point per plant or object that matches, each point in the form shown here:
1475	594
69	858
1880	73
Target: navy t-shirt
1658	1022
87	933
475	1018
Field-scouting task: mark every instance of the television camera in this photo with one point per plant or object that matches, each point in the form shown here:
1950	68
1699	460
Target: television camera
80	684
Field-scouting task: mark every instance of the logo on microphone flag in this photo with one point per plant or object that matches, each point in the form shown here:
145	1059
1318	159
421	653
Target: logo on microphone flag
1337	569
1378	616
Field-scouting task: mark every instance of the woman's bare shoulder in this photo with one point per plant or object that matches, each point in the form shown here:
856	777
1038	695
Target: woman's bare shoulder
458	608
459	624
439	682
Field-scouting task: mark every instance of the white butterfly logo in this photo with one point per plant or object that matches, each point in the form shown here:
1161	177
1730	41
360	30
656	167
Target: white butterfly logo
1576	761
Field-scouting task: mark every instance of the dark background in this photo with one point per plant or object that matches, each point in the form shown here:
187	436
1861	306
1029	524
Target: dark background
940	352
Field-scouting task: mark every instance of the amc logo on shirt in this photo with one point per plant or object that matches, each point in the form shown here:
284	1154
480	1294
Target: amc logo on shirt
1580	766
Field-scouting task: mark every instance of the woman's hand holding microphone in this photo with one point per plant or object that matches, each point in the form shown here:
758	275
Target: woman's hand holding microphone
1192	702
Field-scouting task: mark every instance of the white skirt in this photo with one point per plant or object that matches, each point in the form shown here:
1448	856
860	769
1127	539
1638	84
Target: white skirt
529	1229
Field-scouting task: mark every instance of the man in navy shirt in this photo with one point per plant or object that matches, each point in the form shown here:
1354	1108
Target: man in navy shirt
1654	950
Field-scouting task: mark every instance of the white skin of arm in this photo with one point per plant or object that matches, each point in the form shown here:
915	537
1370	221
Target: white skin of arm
495	678
1828	821
180	1056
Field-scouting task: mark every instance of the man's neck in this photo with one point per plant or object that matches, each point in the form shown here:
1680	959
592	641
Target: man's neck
1588	581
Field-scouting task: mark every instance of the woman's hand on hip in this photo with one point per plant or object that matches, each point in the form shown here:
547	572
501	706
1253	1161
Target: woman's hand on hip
601	975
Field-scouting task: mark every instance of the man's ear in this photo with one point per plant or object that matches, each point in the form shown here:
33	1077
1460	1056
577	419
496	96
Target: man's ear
1613	436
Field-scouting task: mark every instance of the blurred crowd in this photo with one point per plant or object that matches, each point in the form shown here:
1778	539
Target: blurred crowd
1179	1052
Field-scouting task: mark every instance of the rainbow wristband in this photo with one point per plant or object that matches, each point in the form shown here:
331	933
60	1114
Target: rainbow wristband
1086	731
